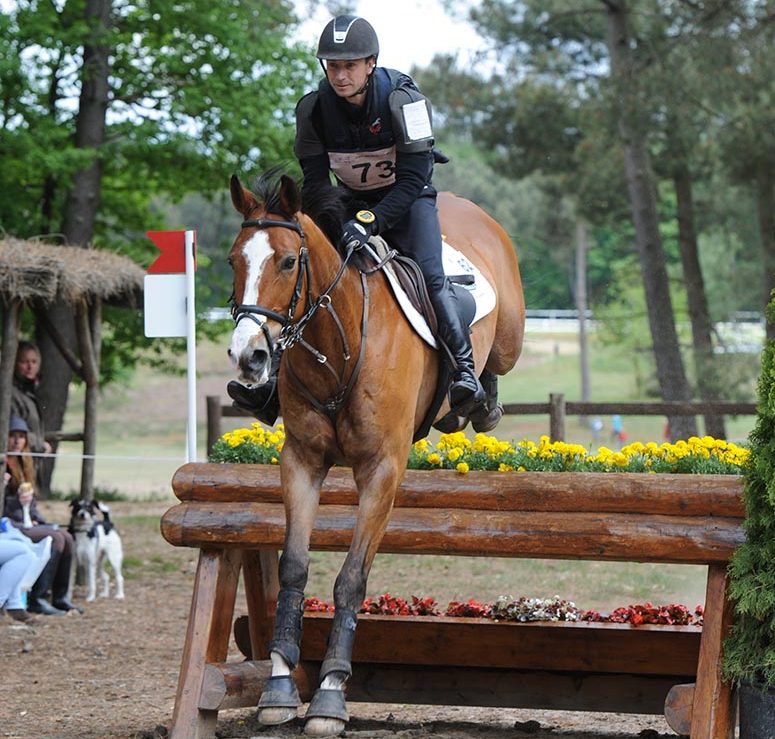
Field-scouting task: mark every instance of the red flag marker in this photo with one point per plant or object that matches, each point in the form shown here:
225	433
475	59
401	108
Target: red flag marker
172	259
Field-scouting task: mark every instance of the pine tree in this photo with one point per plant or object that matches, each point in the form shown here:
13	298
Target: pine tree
750	647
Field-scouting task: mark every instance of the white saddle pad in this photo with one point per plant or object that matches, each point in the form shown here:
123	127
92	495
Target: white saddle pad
455	263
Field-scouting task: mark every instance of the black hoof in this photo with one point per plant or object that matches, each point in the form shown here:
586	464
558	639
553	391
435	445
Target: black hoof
327	703
279	692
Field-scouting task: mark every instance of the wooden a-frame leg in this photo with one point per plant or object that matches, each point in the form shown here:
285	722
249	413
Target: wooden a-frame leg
713	712
207	639
261	588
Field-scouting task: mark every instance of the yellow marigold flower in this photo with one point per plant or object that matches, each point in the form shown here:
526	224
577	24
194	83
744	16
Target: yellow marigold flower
620	460
422	446
273	460
506	468
454	454
462	468
434	458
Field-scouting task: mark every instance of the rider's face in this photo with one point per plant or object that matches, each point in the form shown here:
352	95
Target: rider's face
347	76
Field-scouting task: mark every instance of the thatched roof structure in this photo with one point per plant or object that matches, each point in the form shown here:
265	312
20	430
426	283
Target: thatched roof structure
30	270
36	274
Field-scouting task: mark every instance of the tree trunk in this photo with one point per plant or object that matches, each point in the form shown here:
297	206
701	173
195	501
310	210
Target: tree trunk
667	352
83	199
81	208
707	377
765	204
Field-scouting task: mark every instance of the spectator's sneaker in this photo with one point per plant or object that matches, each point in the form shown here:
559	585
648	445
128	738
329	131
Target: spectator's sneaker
19	614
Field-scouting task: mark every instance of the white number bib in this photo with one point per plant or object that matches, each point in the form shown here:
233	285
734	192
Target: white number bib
364	170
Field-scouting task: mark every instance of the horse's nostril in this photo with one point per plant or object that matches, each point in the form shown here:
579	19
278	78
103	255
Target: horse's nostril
229	353
258	359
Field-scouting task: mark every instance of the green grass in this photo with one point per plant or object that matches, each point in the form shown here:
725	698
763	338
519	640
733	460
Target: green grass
142	426
596	585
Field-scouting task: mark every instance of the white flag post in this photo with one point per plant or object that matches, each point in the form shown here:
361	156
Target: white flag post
170	307
191	343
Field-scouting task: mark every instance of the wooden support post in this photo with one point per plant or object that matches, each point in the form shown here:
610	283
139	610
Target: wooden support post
213	421
556	417
713	710
7	362
207	639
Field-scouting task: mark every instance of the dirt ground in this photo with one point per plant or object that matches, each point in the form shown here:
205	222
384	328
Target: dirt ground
112	671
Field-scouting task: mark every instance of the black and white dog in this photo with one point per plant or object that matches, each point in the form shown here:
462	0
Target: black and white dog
96	540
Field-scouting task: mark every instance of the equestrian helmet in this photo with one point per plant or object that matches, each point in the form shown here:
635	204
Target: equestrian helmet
348	37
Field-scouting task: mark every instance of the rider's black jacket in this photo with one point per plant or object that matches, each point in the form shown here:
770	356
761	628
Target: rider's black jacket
381	151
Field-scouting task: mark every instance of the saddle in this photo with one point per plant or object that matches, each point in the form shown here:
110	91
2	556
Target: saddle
410	279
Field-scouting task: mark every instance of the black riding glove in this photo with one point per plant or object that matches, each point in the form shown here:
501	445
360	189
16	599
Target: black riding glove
355	233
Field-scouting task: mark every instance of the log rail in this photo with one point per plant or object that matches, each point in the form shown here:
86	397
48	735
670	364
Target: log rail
234	515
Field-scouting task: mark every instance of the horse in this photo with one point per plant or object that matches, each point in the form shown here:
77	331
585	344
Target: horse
355	383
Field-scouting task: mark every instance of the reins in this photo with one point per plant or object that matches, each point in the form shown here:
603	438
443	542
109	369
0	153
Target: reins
291	332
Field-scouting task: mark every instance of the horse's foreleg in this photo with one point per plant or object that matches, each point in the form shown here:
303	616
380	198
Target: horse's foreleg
301	488
327	713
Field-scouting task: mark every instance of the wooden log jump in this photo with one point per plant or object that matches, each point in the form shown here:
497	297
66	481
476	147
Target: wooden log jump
234	515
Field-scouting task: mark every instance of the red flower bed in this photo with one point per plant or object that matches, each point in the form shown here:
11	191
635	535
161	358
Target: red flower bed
524	609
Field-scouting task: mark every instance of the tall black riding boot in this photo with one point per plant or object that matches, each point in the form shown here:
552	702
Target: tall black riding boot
261	401
466	395
62	584
36	601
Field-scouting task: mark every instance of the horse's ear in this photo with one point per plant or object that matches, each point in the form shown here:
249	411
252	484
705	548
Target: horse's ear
243	200
290	200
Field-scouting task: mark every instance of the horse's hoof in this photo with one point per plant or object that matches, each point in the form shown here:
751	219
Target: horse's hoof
276	716
279	701
324	727
488	420
327	713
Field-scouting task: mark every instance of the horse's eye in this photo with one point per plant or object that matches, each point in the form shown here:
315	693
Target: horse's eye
288	262
230	261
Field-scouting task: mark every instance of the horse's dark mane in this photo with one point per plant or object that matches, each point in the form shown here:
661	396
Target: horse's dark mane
325	204
329	207
266	188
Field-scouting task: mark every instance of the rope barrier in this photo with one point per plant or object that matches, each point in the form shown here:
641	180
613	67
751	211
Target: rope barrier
52	455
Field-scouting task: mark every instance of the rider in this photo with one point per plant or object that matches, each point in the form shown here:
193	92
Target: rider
371	127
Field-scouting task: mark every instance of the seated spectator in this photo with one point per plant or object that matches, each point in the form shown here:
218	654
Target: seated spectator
24	398
19	464
16	558
22	510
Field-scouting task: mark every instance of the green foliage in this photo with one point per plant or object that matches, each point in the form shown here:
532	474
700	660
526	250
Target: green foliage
198	91
704	76
749	651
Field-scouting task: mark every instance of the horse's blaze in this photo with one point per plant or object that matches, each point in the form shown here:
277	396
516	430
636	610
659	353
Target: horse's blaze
248	339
